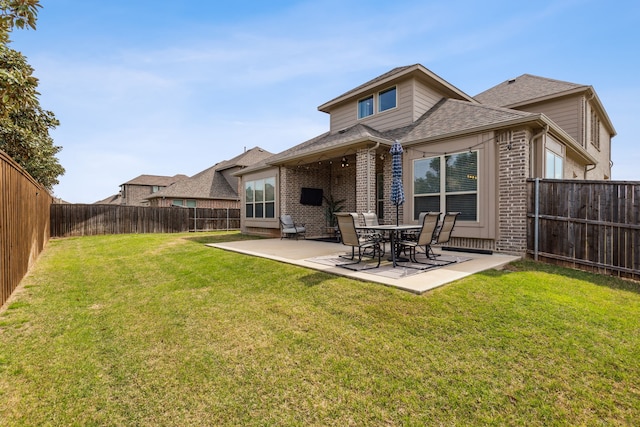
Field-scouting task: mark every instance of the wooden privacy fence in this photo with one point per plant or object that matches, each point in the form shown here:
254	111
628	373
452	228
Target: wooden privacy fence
89	220
206	219
24	223
589	224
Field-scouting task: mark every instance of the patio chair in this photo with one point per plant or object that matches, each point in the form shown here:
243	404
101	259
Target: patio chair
424	237
288	228
412	234
350	237
443	233
371	219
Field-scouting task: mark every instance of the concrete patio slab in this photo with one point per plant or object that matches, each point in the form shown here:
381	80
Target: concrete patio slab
300	252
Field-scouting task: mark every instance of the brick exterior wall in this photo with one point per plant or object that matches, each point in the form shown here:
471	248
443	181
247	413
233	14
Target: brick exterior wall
134	194
365	180
513	171
390	208
291	181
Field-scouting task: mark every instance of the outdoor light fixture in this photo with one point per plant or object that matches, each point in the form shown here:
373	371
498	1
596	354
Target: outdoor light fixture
345	162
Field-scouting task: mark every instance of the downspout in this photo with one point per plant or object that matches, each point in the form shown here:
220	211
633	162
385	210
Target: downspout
375	147
536	220
532	150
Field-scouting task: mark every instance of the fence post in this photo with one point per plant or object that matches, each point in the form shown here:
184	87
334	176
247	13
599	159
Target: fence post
227	219
536	221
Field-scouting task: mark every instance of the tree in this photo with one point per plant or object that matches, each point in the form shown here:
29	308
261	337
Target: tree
24	125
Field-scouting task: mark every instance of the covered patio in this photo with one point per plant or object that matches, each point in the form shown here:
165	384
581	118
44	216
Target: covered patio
311	253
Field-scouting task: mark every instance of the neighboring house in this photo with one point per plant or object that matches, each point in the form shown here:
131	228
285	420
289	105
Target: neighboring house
135	192
461	153
215	187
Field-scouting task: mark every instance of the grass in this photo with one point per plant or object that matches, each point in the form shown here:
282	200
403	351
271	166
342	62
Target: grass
160	330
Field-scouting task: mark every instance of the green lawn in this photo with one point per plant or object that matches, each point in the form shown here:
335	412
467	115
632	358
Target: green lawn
156	330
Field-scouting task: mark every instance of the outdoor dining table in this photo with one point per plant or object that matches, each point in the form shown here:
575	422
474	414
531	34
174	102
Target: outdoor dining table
393	235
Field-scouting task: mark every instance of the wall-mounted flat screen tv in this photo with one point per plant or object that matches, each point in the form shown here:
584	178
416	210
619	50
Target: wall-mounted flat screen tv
311	196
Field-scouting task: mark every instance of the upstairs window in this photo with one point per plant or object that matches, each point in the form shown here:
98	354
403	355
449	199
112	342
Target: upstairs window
387	99
365	107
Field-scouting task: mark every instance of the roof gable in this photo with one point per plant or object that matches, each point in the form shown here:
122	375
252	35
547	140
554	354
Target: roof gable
526	89
416	71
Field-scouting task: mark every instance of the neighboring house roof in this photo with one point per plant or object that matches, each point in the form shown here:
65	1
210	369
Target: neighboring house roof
211	183
111	200
156	180
400	72
208	184
249	157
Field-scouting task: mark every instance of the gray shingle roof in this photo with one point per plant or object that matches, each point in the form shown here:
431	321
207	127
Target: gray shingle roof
211	183
525	88
208	184
114	199
326	141
248	158
451	116
446	117
156	180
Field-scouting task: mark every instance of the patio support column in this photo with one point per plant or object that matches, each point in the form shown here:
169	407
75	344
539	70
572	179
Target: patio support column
365	180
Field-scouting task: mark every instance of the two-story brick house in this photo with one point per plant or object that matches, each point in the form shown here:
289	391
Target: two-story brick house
461	153
214	187
135	192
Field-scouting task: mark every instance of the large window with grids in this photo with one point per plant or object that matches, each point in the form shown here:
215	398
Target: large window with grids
260	198
447	183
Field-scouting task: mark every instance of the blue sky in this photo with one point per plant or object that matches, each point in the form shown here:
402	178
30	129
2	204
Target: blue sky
167	87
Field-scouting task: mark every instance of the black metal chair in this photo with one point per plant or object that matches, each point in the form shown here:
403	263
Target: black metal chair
288	228
350	237
424	237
